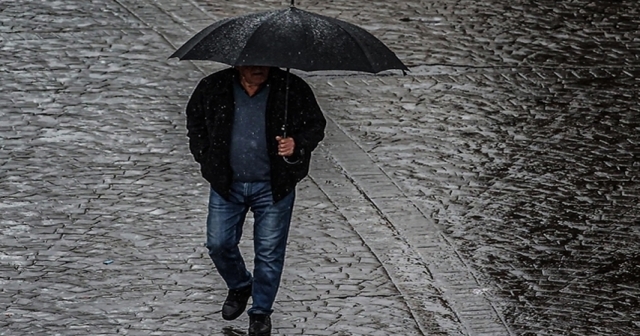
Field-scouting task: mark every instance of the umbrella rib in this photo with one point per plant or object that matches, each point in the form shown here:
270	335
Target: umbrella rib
364	52
276	14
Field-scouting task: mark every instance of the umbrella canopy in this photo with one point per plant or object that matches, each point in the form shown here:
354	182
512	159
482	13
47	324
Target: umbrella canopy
290	38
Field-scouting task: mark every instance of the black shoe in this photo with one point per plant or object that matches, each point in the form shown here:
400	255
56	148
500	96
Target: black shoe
236	302
259	325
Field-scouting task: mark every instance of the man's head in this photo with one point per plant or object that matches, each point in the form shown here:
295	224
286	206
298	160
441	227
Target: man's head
253	75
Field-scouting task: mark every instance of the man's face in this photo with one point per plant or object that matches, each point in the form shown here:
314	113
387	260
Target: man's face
254	75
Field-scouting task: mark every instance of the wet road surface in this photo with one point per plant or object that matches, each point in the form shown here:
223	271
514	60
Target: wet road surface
526	155
491	191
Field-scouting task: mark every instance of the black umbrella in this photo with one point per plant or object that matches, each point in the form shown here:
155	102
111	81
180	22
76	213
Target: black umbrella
290	38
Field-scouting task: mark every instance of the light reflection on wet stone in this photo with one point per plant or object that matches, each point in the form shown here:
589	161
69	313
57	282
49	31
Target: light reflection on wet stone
536	181
532	169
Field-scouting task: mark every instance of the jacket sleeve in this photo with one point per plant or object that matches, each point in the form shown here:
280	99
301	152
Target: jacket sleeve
313	123
196	123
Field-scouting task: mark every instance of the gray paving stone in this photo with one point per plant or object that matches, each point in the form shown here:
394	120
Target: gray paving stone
510	148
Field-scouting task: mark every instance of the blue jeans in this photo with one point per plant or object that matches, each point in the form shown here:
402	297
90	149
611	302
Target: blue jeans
270	233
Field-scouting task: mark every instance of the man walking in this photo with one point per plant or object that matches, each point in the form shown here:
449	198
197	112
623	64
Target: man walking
235	121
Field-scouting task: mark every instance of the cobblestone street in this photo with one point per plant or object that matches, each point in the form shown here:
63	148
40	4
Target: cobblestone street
493	190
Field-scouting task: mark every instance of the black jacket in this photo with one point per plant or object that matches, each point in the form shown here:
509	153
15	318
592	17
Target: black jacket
210	118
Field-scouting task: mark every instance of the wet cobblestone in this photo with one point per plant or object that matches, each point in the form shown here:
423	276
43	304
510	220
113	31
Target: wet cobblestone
533	173
497	181
537	192
103	209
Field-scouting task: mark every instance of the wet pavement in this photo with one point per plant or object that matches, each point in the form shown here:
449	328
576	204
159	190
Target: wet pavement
493	190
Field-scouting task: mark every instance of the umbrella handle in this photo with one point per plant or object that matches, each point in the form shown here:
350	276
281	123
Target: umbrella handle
286	107
291	162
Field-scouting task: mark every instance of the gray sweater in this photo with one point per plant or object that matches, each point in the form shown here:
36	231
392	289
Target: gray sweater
249	156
